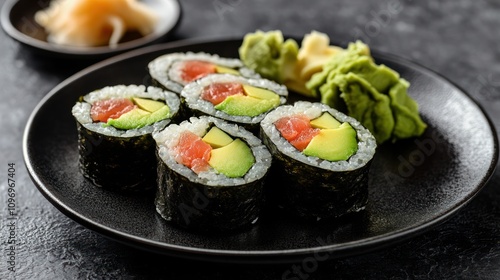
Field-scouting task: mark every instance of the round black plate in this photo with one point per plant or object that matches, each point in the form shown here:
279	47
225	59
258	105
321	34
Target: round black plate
414	184
17	18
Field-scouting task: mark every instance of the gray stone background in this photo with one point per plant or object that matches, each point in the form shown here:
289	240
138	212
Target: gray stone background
459	39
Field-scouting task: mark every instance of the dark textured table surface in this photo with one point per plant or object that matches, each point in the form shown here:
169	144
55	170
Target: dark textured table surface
458	39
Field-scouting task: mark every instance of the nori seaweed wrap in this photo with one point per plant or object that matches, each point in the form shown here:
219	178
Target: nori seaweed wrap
232	98
224	191
175	70
312	187
119	154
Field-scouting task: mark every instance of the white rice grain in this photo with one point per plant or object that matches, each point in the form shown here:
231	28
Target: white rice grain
81	110
366	142
192	92
166	69
168	139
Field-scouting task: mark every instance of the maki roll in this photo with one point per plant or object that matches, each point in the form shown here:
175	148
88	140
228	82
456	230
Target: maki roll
115	126
236	99
175	70
210	174
321	160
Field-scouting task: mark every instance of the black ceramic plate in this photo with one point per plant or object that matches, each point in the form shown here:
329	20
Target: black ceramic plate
414	184
17	18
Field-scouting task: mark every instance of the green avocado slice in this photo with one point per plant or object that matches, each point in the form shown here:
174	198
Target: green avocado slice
226	70
148	104
325	121
217	138
333	144
233	160
138	118
259	93
243	105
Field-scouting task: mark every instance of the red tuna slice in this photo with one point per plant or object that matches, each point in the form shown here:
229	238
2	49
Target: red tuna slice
195	69
297	130
305	136
193	152
217	92
103	110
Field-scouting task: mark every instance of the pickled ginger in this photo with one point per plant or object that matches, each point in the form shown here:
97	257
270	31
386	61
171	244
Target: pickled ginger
90	23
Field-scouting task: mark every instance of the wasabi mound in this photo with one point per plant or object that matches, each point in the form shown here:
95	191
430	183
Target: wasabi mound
348	80
268	54
373	94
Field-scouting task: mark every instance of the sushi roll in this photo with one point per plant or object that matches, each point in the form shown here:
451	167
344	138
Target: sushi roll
210	175
236	99
321	160
115	126
175	70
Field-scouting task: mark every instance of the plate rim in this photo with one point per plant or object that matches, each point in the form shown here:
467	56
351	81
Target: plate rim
102	51
248	256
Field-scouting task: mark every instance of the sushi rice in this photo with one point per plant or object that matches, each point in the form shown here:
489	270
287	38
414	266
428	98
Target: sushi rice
314	188
81	110
168	138
366	142
209	201
166	69
192	96
115	159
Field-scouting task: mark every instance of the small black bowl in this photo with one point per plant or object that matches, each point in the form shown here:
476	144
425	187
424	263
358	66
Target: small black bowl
17	19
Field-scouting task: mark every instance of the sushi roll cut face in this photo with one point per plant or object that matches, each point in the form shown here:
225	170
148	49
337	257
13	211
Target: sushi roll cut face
174	71
321	159
207	159
236	99
114	125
